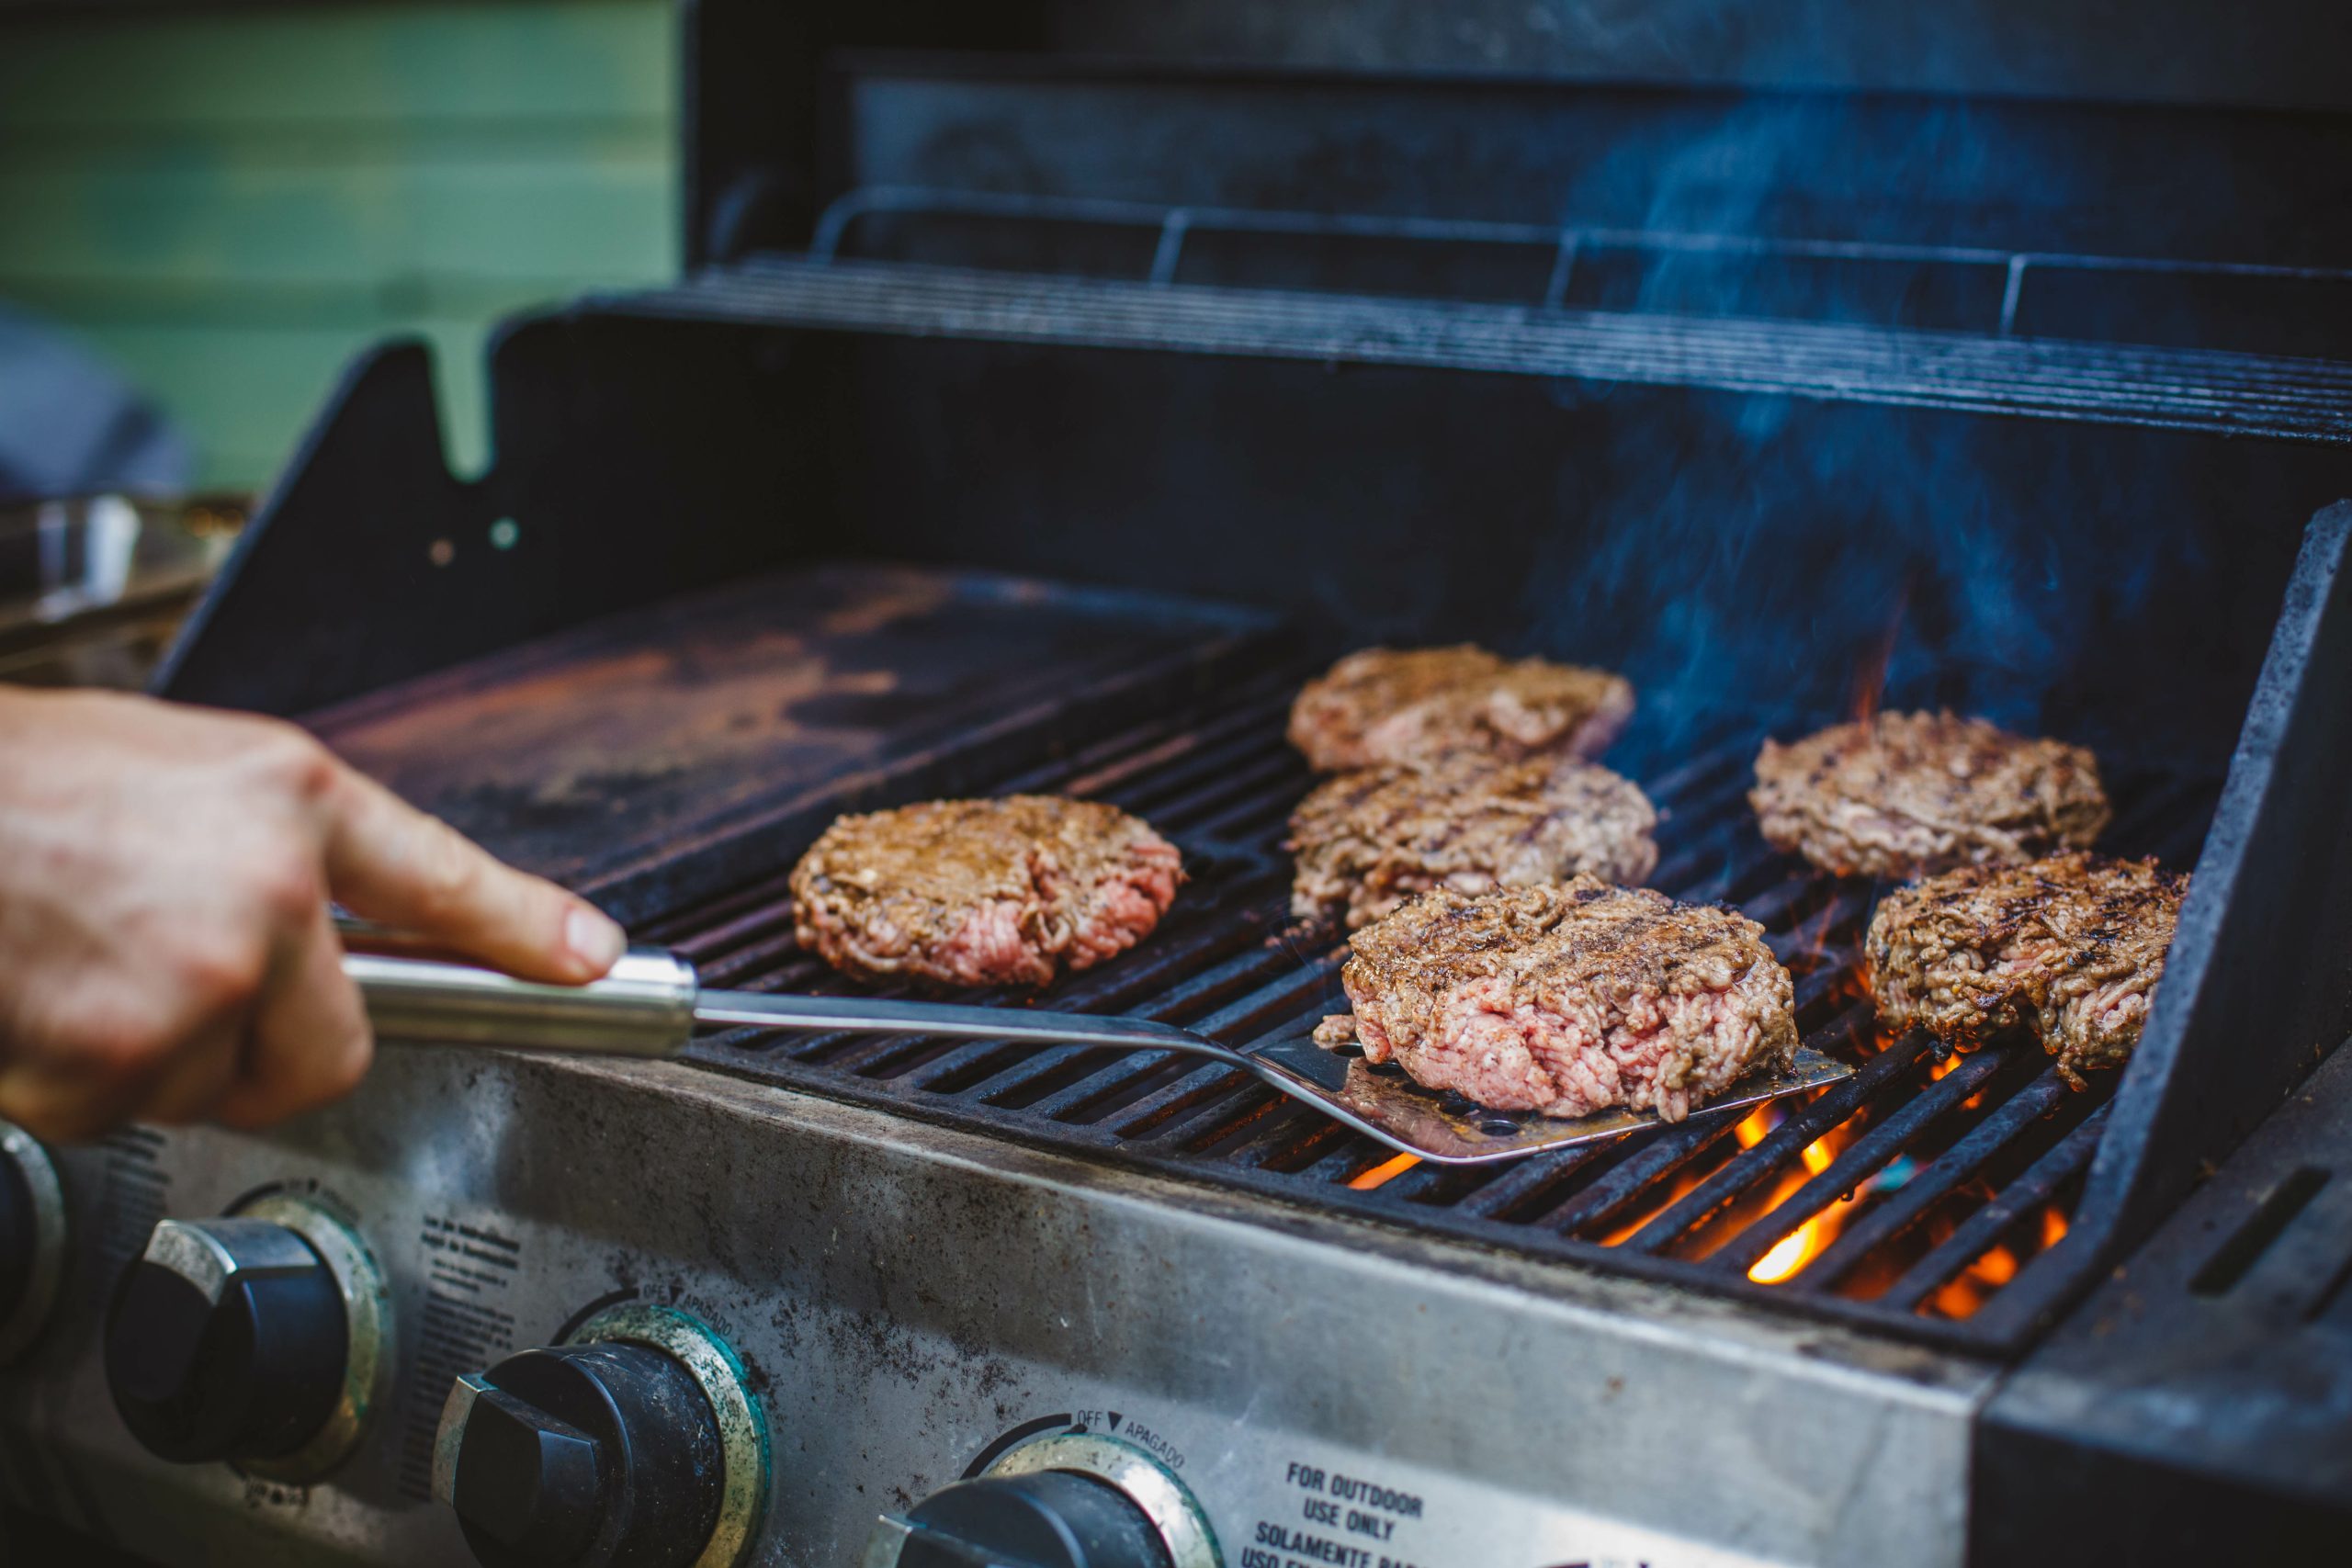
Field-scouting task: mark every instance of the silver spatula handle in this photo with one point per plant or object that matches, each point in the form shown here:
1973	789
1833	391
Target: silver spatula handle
644	1007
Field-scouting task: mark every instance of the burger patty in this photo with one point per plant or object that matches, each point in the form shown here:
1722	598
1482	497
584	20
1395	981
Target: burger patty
982	892
1906	796
2071	947
1366	841
1569	999
1387	704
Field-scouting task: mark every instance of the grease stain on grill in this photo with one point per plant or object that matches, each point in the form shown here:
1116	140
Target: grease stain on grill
750	714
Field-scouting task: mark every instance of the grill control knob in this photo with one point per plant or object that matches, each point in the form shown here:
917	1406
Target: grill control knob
32	1238
634	1445
254	1338
1076	1500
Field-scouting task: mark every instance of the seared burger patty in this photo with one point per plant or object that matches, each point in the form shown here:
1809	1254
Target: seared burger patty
982	892
1569	999
1367	840
1911	795
1389	705
2070	947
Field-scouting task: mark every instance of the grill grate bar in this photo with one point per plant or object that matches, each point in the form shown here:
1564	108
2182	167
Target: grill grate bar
1216	778
1291	1139
1863	1160
1347	1160
1910	1203
1219	1122
1717	759
1156	744
1780	1147
767	911
1522	1189
1171	1108
1073	1104
1424	1186
1983	1229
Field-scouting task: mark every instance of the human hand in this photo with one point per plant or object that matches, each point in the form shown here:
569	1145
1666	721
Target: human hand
165	950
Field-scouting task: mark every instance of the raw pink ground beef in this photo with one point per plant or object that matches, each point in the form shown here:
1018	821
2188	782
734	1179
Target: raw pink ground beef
1569	999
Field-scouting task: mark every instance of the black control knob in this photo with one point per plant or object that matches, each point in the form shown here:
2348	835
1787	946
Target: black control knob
227	1340
32	1238
585	1455
1048	1520
1075	1499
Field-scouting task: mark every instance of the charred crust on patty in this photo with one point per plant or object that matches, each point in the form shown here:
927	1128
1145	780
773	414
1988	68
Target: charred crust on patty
982	892
1386	704
1368	840
2069	948
1905	795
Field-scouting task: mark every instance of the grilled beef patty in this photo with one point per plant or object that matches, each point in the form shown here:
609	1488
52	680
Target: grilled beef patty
2071	947
1910	794
982	892
1366	841
1389	705
1570	999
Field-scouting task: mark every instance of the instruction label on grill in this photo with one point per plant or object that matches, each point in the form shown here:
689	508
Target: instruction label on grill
1344	1521
1365	1515
469	1266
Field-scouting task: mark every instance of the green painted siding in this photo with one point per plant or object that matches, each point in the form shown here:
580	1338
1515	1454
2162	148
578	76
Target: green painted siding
229	205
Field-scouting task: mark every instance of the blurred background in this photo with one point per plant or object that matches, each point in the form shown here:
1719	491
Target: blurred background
210	209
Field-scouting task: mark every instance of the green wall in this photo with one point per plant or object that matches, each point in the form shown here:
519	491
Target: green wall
228	205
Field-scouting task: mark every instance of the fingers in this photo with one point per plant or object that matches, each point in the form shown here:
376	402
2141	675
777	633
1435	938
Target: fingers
62	1106
72	1096
308	1041
192	1082
391	862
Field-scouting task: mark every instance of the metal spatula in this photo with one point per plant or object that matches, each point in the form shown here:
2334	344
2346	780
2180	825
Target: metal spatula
650	1002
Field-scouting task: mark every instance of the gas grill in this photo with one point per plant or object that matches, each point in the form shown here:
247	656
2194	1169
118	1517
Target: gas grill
1044	401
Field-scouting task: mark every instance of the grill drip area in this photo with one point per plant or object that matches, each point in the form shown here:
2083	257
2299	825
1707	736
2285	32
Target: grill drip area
1928	1194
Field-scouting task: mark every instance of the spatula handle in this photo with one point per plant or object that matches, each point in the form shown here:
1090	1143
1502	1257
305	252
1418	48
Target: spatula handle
644	1007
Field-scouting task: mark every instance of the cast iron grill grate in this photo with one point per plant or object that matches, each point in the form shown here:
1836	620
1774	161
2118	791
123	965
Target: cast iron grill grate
1928	1194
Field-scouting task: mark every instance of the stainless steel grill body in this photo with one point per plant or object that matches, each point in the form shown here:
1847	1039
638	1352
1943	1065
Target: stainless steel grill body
905	1295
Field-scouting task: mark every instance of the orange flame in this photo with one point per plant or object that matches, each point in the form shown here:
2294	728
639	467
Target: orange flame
1973	1286
1870	676
1808	1241
1790	1254
1387	1171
